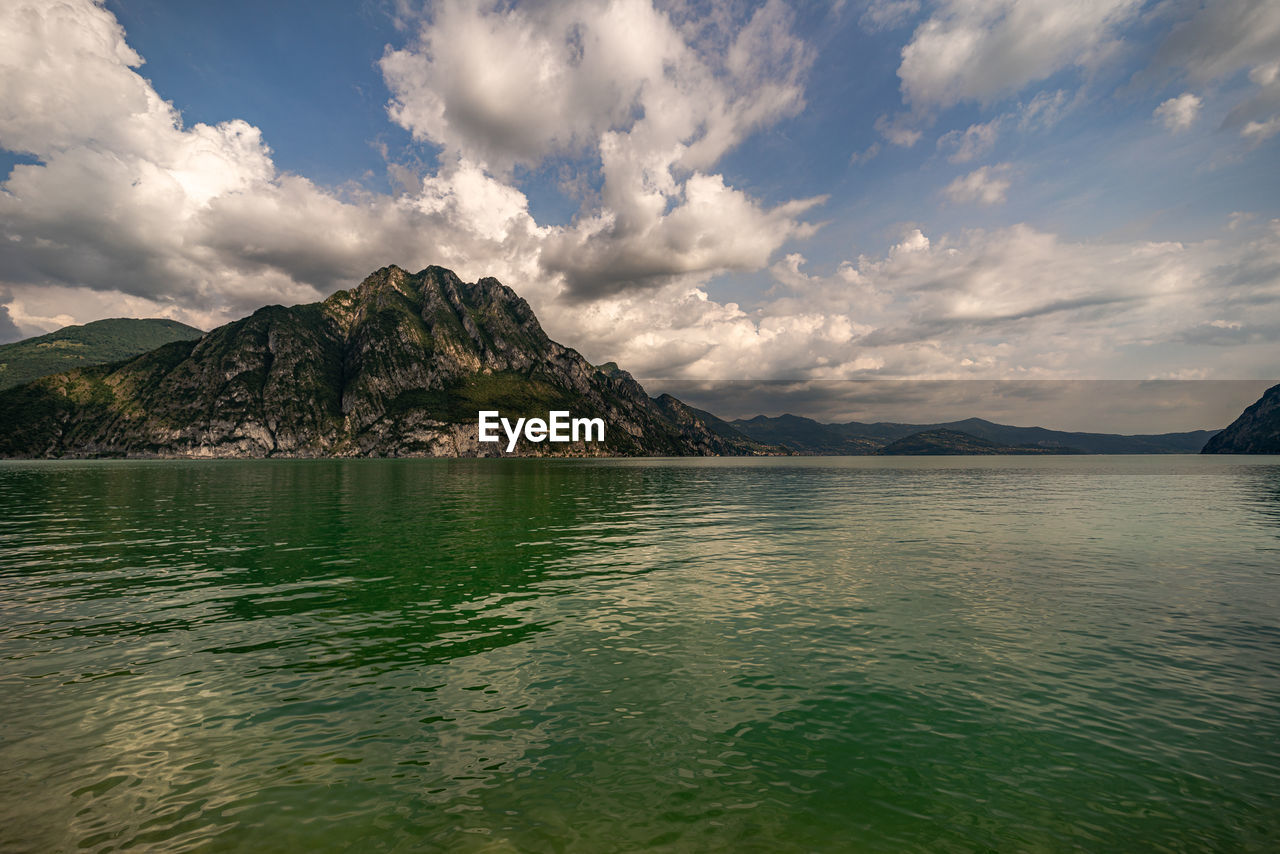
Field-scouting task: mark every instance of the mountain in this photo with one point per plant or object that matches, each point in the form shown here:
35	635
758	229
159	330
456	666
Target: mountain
807	436
1256	431
952	442
94	343
1091	443
399	366
724	439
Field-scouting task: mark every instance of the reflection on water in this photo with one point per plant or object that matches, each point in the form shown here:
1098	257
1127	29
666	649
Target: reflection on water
791	654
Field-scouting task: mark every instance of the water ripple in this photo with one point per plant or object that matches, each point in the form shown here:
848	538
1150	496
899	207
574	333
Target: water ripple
762	655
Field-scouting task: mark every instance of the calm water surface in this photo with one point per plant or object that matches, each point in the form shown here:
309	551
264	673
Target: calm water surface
946	654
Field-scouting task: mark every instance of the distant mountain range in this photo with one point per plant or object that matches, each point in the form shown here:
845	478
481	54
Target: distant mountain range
945	442
806	436
94	343
402	364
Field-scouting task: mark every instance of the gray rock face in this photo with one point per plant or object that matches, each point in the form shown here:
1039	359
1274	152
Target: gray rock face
1256	431
398	366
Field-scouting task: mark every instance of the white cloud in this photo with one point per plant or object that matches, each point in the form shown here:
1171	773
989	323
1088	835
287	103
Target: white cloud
1265	75
867	154
986	186
66	73
883	15
971	143
1240	218
622	82
900	129
914	240
713	228
1179	113
1257	132
121	184
505	86
1044	110
985	50
1018	302
1008	303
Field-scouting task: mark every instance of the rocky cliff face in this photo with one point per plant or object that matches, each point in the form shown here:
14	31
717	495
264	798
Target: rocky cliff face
1256	431
399	366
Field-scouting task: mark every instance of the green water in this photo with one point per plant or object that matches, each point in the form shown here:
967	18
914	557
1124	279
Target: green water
929	654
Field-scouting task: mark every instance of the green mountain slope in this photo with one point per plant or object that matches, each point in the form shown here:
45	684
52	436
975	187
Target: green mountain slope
399	366
96	343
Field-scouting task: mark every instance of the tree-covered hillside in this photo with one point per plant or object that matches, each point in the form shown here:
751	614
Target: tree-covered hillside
96	343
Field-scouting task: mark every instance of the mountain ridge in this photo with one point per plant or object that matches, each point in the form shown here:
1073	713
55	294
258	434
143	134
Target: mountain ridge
96	343
808	436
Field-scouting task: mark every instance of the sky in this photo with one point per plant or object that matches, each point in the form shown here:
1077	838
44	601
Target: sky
769	196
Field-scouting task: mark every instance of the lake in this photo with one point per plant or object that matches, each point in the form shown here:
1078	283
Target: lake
787	654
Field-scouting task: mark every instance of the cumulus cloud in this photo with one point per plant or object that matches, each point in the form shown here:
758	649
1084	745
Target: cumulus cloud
1179	113
1019	302
712	228
986	186
500	87
982	51
506	86
1007	303
119	181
